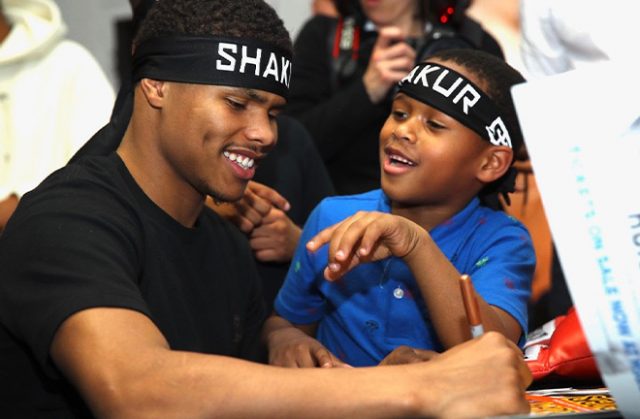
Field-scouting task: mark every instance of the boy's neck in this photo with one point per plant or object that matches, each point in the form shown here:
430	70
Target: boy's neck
427	216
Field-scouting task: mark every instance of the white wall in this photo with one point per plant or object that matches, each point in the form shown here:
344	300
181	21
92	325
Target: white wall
293	12
92	23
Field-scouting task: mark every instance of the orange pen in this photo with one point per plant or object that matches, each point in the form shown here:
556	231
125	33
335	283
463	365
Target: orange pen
471	306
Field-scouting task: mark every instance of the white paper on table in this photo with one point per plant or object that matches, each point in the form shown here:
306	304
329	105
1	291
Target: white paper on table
582	130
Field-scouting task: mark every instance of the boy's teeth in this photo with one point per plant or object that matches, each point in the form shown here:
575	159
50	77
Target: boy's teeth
401	160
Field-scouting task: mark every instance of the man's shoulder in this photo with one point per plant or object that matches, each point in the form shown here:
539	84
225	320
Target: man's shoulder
89	184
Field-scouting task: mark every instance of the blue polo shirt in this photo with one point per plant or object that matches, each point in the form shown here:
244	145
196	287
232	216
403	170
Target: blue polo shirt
378	306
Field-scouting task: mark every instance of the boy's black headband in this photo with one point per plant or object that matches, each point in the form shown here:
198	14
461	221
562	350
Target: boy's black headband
455	95
214	60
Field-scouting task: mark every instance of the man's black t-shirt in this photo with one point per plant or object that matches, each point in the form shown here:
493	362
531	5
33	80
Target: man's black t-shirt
87	237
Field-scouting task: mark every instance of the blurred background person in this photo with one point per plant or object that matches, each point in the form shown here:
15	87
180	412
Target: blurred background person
53	97
324	7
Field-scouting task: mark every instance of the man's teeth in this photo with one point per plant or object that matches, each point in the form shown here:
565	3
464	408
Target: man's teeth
400	159
242	161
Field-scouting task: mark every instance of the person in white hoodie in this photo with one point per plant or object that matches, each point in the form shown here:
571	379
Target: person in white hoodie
53	97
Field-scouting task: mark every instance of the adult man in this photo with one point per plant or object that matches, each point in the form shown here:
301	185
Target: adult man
121	295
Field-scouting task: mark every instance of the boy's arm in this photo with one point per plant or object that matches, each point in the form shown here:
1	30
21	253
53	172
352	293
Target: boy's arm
368	236
122	366
438	281
294	346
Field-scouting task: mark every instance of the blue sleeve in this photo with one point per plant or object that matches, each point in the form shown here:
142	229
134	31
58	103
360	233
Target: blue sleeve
502	274
299	300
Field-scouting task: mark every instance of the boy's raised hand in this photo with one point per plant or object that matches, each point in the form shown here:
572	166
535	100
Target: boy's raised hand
366	237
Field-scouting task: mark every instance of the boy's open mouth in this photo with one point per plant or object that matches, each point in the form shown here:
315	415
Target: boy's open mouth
395	160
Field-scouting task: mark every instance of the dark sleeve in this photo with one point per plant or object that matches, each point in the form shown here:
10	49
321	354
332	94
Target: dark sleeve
57	259
332	118
316	183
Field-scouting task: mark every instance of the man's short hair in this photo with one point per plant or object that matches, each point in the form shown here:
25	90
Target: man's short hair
248	19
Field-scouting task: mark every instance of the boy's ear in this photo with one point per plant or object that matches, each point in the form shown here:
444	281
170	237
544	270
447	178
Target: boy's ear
495	164
153	91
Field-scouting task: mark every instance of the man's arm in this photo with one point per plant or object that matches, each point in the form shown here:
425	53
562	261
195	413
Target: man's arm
123	367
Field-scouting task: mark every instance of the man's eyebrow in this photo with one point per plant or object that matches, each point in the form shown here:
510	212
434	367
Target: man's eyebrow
255	95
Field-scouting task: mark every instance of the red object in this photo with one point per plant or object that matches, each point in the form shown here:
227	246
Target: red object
561	352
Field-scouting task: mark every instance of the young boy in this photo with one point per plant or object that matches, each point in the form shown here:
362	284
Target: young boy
446	152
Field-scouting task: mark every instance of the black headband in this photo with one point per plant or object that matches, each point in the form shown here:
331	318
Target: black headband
214	60
455	95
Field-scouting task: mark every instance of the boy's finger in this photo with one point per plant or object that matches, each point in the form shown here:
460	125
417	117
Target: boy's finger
272	196
321	238
324	358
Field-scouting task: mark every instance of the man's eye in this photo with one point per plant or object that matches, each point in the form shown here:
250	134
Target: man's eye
235	104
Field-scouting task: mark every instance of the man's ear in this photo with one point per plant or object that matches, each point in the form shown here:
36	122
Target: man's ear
495	164
153	91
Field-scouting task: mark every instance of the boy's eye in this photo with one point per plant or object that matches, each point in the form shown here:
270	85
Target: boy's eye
398	114
435	125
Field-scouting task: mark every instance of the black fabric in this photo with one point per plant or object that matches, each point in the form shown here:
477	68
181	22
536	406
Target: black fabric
215	60
455	95
89	237
294	169
343	122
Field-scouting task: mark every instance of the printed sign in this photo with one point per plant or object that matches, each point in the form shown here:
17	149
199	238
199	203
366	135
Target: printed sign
582	131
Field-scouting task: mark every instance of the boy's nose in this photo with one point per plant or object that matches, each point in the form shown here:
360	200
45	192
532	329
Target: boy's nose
405	131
